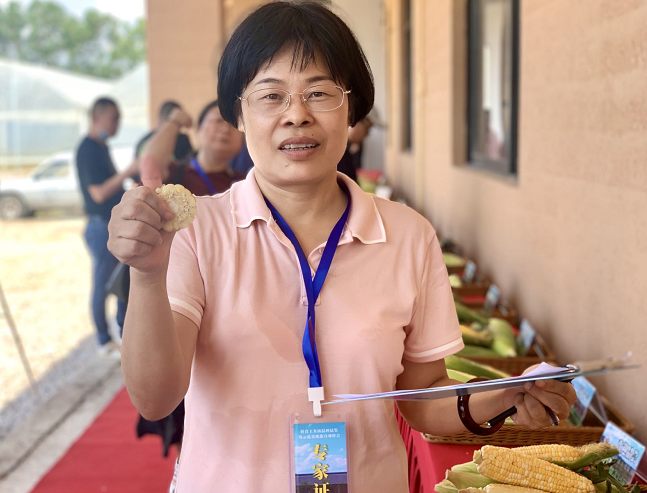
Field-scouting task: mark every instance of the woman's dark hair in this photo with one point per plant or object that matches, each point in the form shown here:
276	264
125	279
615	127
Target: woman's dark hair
306	27
205	110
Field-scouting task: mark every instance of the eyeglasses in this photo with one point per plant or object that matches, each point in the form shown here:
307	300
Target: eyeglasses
274	101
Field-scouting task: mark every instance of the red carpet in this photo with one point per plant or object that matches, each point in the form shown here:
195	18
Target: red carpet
108	458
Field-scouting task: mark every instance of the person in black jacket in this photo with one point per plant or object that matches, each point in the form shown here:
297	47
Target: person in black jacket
102	188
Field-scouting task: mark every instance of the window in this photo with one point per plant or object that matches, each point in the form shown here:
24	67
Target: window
55	169
407	82
493	84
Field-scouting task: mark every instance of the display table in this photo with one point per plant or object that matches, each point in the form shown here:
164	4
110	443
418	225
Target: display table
429	461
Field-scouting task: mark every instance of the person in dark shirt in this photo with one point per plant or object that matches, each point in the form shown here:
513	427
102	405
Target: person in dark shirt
183	149
242	162
102	189
208	173
346	165
351	161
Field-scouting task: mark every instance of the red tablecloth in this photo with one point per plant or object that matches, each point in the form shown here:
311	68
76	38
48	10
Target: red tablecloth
429	461
476	298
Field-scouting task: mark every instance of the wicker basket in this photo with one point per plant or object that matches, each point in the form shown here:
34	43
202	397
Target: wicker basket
516	366
514	435
508	314
472	289
455	269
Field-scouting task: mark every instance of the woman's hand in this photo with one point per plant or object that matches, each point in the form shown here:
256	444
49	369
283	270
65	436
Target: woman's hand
532	400
135	230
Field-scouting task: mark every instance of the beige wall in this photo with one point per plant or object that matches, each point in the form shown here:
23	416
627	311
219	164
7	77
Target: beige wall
183	42
366	18
567	240
236	11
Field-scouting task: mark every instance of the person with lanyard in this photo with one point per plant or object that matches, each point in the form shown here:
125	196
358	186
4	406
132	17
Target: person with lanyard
208	172
293	287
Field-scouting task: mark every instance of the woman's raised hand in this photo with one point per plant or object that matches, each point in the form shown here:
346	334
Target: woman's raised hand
135	230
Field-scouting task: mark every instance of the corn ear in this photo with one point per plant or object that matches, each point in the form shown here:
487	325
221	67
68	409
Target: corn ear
474	368
551	452
507	466
500	488
468	479
453	260
477	352
476	337
459	375
445	486
591	454
466	314
466	467
573	458
457	363
504	342
455	281
508	488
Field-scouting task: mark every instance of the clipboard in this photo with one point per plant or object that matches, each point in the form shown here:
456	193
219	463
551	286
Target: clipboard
543	372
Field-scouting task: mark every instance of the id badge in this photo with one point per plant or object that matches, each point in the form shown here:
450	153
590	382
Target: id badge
319	456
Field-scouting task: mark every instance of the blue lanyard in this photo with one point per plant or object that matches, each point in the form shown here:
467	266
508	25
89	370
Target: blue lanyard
203	175
313	287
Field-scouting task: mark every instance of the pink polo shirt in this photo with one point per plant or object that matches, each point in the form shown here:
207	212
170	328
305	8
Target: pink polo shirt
235	274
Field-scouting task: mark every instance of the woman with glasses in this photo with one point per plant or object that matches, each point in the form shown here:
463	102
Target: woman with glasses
208	172
293	287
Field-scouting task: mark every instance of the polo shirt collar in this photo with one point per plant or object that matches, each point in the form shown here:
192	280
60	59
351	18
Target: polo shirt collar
364	222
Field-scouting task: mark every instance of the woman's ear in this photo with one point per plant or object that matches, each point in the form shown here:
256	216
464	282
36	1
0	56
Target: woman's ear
241	124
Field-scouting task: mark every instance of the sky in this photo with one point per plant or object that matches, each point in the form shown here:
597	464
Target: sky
128	10
335	456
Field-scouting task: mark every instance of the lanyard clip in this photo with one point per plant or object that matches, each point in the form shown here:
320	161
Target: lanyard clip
316	395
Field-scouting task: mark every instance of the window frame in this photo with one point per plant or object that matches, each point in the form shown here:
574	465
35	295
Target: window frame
51	170
408	116
507	166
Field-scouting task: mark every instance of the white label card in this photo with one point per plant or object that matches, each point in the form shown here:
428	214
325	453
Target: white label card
469	272
526	337
585	392
631	452
491	299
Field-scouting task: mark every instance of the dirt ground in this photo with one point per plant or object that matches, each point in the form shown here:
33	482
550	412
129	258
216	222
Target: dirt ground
45	275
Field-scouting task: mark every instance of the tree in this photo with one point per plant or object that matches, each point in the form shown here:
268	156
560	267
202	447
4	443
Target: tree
96	44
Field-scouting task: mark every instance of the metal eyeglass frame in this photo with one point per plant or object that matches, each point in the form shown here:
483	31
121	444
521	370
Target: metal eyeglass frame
289	99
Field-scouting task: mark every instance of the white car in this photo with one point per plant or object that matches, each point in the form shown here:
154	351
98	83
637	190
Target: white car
53	185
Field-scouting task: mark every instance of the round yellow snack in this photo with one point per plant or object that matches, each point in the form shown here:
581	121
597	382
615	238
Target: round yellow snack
182	203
